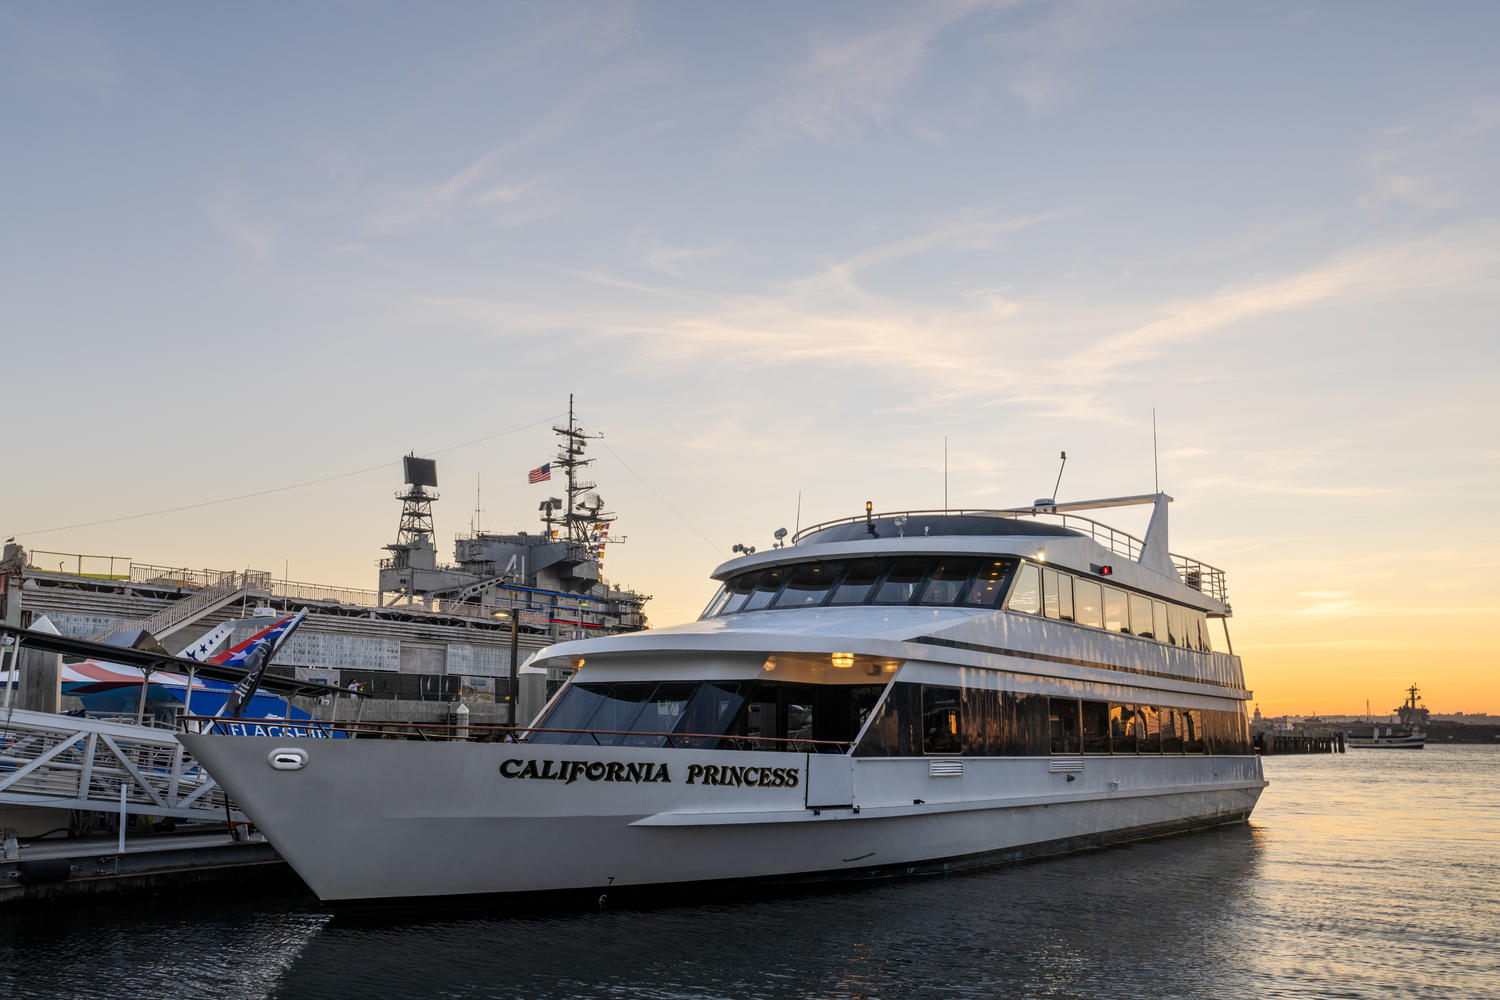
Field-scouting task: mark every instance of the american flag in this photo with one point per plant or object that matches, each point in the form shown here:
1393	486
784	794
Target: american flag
540	474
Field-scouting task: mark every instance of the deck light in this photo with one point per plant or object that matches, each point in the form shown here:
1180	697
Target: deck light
1104	570
842	660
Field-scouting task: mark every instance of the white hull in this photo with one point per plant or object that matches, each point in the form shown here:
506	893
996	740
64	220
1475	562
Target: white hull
365	819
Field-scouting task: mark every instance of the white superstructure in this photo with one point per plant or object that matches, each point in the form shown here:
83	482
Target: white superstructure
887	694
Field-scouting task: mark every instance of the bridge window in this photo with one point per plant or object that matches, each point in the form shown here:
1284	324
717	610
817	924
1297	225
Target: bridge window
1057	595
716	604
766	590
1026	596
740	589
857	584
989	585
948	581
809	584
903	582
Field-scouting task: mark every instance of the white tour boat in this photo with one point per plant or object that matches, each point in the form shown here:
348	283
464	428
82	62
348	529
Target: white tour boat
887	694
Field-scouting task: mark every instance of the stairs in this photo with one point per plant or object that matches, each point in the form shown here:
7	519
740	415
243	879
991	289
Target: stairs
230	588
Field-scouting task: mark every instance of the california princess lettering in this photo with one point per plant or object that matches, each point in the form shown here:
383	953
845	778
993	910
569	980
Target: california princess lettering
569	771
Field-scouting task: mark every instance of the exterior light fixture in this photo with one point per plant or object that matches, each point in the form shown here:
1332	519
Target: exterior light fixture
843	661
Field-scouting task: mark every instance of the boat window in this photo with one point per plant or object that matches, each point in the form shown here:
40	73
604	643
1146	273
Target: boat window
740	589
903	582
765	590
857	583
1148	739
1171	730
948	581
710	711
1050	606
1124	724
1088	603
1205	640
809	584
716	604
661	714
1095	727
1026	596
617	710
1192	732
1116	611
941	718
1140	616
989	585
1159	621
573	709
1177	624
895	731
1063	724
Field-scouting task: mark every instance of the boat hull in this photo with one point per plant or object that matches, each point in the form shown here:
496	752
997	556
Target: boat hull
364	819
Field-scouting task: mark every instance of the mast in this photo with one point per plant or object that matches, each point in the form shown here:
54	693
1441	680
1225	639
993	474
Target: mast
583	517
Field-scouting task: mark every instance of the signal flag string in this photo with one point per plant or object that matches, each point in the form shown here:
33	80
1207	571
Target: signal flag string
674	510
278	489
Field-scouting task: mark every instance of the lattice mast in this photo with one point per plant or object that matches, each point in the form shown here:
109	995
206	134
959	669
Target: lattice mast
584	512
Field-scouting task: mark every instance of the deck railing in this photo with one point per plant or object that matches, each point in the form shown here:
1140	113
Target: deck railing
1196	574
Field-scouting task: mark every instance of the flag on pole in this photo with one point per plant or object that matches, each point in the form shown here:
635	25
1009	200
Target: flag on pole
540	474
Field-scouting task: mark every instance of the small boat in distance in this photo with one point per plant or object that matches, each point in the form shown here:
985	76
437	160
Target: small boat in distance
1408	733
886	694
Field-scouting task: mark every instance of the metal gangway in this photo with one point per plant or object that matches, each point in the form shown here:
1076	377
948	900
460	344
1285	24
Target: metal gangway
68	762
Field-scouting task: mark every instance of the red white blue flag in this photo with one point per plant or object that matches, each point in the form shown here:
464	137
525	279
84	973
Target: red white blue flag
540	474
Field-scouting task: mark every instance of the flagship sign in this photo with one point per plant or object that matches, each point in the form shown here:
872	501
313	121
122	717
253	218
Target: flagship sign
639	772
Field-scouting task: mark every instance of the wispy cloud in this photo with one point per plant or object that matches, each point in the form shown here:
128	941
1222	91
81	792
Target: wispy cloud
849	81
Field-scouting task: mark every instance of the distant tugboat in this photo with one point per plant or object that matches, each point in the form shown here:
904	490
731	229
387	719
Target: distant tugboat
1410	733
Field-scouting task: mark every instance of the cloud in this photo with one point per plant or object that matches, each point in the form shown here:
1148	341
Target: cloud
851	80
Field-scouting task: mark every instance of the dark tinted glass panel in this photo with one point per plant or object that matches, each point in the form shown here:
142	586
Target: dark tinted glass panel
1125	724
1171	730
1095	727
1063	724
1088	603
1116	611
948	581
1149	738
574	708
617	711
765	590
1140	616
981	722
1030	716
1026	595
809	584
988	585
1192	733
661	714
903	582
942	729
715	605
857	583
896	729
710	710
740	589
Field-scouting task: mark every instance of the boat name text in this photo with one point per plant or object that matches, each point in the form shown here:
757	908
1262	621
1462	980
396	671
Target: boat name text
569	771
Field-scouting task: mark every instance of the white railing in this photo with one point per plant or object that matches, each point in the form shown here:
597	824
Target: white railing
184	610
76	763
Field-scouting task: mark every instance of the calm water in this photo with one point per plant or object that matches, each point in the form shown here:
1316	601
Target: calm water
1371	874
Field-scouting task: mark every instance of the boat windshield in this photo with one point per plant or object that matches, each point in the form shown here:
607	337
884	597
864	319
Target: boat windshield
962	581
723	715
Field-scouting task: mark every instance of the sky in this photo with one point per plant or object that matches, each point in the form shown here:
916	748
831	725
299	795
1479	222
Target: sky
789	258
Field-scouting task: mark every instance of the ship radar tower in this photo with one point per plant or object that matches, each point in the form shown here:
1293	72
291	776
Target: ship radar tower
582	516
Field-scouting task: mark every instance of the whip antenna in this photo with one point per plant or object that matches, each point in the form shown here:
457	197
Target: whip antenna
1064	457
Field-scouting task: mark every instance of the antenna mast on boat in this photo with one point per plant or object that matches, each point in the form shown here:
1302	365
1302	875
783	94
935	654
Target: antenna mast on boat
1064	457
1155	469
584	516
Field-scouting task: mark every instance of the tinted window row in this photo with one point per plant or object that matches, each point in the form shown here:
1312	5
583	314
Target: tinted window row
748	715
968	581
1059	595
921	719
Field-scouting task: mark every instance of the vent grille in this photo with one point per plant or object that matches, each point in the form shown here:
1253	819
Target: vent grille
945	768
1065	765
